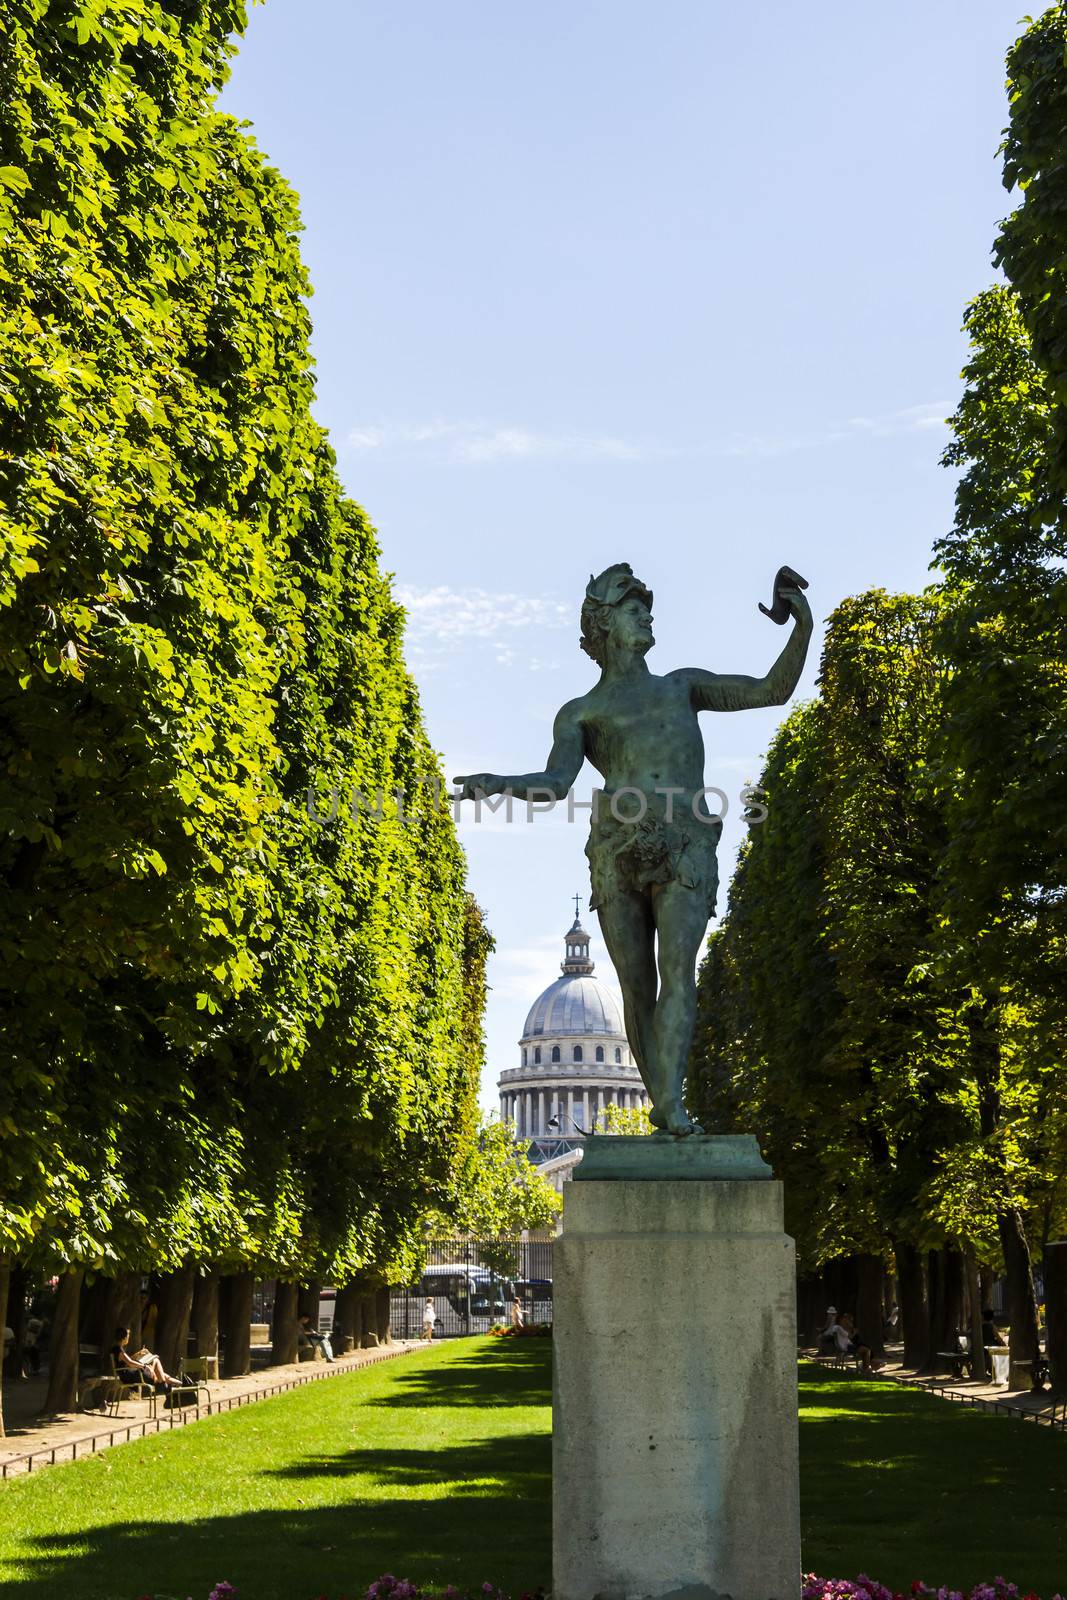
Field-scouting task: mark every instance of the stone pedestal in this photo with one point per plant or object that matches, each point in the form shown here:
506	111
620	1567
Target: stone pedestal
675	1392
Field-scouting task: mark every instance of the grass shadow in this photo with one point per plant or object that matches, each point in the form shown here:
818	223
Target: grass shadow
491	1522
501	1373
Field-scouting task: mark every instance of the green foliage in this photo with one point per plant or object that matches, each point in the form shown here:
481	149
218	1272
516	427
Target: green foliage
633	1120
499	1192
818	1029
885	1001
232	1029
1004	636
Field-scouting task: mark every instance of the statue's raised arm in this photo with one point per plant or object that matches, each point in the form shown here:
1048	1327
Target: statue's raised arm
563	766
736	691
652	838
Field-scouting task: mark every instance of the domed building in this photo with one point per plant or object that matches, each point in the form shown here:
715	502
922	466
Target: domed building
575	1059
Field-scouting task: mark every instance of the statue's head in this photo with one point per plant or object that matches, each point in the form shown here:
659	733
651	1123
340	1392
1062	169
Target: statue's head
617	607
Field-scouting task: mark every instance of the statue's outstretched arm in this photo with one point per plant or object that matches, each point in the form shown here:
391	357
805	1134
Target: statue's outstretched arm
725	691
563	766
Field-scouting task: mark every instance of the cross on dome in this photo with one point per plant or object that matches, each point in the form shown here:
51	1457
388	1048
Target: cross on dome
577	943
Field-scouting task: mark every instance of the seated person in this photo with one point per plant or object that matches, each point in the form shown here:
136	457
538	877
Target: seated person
849	1342
991	1334
825	1340
310	1335
144	1367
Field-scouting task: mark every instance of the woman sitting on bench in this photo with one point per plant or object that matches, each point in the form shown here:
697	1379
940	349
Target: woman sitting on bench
144	1367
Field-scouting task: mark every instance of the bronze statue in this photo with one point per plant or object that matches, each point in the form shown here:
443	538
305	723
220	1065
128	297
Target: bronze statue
652	838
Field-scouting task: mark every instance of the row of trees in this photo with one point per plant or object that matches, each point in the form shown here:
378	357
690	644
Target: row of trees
885	1002
236	1038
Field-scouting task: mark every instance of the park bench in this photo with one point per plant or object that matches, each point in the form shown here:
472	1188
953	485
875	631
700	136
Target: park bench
960	1357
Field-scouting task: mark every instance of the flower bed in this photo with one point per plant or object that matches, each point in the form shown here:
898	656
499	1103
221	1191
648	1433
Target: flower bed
388	1587
864	1588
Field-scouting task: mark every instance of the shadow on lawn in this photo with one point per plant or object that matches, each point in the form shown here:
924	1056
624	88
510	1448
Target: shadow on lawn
903	1485
494	1524
496	1372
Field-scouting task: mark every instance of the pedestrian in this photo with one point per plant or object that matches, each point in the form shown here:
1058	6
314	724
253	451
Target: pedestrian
516	1313
826	1333
429	1317
30	1337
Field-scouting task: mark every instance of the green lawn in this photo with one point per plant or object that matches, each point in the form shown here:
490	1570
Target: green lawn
436	1467
901	1485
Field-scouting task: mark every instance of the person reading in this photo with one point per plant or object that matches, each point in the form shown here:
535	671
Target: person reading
310	1335
144	1367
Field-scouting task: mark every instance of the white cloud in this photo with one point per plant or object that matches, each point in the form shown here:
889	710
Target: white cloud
475	443
912	419
480	443
892	424
443	619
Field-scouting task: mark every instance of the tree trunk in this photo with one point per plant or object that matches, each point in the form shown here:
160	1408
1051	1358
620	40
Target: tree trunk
811	1309
1055	1261
1022	1302
122	1309
5	1279
381	1316
308	1302
175	1309
16	1321
237	1327
870	1310
284	1329
841	1282
92	1312
914	1327
973	1319
939	1317
345	1311
369	1337
987	1278
205	1314
63	1347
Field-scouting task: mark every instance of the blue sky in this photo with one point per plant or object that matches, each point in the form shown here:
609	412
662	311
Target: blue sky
675	285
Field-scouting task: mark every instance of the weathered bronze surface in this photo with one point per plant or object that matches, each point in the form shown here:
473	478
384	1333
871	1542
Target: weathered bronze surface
652	838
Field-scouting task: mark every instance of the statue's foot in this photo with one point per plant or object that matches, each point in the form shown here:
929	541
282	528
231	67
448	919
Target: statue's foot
677	1121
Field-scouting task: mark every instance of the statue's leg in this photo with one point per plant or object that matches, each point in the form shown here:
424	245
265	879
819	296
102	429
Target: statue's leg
681	921
630	935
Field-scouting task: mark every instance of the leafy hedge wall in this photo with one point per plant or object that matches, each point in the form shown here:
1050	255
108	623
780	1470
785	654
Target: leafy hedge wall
230	1030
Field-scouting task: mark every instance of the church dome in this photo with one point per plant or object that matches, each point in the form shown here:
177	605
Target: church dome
577	1003
576	1060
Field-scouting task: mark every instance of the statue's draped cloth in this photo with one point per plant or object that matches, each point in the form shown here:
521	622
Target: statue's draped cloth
665	844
